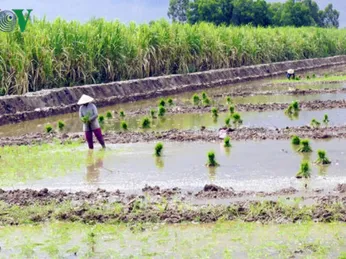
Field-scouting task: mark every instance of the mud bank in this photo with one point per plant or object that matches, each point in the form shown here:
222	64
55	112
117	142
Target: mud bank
168	206
204	135
289	92
14	109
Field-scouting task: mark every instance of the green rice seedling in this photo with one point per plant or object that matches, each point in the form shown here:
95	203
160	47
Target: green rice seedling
326	75
122	114
227	142
162	103
101	119
152	113
61	125
228	100
322	158
206	101
304	171
214	112
313	75
295	140
315	123
307	77
146	123
295	106
49	128
124	125
195	99
228	121
237	120
109	115
326	119
231	109
304	146
158	149
204	95
211	159
170	101
161	111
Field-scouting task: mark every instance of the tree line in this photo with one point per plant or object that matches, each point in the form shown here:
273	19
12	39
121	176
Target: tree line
295	13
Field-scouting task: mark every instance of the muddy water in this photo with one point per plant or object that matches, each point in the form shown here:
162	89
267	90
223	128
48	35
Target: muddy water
193	120
222	240
257	166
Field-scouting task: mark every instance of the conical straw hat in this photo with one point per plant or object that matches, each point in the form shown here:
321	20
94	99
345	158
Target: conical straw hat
85	99
290	71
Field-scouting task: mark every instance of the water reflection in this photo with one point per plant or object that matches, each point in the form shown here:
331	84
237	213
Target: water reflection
159	162
94	164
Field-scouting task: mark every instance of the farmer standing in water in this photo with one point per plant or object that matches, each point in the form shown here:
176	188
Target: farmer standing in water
89	116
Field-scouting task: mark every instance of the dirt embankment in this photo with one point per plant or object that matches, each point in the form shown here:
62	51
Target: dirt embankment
184	135
169	206
47	103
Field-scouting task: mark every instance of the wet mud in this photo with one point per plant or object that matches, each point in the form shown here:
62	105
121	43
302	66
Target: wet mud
203	135
166	205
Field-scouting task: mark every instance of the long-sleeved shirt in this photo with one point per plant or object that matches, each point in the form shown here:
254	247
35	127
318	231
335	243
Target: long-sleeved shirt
91	111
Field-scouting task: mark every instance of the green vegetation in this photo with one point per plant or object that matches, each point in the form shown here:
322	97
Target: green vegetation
123	125
304	146
158	149
161	111
231	109
227	142
122	114
228	121
204	95
326	119
228	100
237	120
145	123
295	140
254	12
170	101
101	119
152	113
196	99
315	123
66	53
211	159
322	158
206	101
214	112
304	171
162	103
109	115
61	125
49	128
293	110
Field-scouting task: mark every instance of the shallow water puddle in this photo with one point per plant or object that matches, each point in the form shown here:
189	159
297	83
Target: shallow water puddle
259	166
220	240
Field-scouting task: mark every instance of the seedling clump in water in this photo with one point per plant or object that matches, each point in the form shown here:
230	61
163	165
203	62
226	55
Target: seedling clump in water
326	119
315	123
49	128
227	142
170	101
322	158
228	121
152	113
237	119
211	159
231	109
304	171
162	102
214	112
228	100
146	123
109	115
101	119
124	125
305	146
295	140
195	99
161	111
122	114
158	149
206	101
61	125
204	95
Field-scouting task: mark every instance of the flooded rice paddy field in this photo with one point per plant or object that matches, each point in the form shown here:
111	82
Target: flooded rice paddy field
220	240
246	166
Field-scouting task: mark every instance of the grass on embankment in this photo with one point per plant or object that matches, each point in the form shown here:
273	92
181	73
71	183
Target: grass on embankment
61	53
220	240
